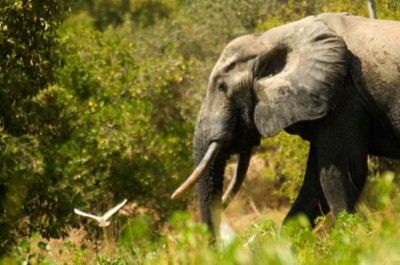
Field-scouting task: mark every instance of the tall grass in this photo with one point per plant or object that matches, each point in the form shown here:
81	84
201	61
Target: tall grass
370	236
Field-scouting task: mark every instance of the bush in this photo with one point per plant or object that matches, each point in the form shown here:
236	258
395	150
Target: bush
28	41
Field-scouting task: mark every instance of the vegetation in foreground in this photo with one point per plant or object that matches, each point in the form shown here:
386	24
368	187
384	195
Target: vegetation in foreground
368	237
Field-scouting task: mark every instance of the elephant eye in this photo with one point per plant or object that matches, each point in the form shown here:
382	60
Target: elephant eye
222	87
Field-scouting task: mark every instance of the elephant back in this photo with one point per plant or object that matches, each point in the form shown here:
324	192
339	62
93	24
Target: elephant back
374	46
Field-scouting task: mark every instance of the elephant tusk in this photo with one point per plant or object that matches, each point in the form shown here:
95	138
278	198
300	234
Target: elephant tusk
238	178
199	171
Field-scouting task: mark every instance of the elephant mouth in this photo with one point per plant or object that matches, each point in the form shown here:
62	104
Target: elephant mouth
204	164
226	141
245	140
242	145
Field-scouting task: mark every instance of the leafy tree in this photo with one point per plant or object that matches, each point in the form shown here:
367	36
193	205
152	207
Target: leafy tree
28	41
129	133
113	13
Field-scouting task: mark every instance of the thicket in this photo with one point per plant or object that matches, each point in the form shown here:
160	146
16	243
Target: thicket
102	106
29	197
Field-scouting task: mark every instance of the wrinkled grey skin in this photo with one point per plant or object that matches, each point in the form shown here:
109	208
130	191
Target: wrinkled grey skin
333	79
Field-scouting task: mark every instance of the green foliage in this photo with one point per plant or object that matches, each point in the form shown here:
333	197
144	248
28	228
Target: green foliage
113	13
26	26
137	230
78	252
286	157
354	239
28	253
282	12
129	127
103	108
290	10
384	188
28	56
388	9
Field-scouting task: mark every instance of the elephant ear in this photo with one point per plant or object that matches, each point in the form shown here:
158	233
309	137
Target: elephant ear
300	77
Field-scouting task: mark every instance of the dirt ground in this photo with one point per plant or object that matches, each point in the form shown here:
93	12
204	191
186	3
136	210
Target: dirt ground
255	200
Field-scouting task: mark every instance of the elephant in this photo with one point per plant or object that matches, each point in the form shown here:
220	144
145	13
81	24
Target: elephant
333	79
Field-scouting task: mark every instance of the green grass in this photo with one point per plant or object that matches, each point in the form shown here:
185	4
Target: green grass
354	239
369	237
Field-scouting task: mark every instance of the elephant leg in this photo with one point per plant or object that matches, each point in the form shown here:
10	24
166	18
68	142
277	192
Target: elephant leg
342	146
311	199
337	164
342	180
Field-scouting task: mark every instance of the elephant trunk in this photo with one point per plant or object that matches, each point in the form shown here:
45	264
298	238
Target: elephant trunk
210	187
209	192
211	149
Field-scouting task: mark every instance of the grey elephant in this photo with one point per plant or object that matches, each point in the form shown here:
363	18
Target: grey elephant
333	79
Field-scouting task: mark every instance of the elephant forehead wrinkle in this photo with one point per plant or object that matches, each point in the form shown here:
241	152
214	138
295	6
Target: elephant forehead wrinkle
241	42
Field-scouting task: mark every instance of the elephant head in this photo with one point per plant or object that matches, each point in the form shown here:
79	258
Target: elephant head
260	85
